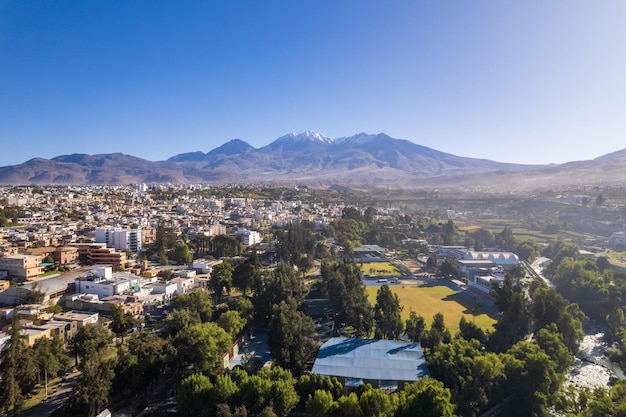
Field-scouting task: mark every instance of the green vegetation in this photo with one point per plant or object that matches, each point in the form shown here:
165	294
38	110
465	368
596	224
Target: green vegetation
380	269
427	301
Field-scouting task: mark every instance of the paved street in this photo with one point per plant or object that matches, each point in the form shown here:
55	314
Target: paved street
55	398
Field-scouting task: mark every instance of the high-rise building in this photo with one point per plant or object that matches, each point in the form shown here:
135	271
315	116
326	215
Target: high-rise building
118	238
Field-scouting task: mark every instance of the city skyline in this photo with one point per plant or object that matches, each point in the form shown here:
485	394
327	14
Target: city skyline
531	83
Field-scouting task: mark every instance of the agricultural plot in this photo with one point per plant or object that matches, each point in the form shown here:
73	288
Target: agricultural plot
428	300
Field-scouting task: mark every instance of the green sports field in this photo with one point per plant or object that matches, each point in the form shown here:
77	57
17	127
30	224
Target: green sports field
380	269
427	301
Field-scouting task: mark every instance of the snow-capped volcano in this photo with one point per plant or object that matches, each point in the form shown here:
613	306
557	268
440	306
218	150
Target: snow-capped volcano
307	136
360	139
295	141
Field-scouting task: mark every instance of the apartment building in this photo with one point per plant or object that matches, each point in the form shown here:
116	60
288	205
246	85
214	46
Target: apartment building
62	255
98	253
250	237
120	239
21	267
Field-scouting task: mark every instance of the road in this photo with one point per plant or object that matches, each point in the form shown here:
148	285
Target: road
55	398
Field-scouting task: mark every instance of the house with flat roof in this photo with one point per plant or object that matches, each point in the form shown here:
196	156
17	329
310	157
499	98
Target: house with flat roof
386	364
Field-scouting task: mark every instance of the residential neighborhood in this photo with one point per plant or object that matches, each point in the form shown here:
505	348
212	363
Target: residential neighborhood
244	279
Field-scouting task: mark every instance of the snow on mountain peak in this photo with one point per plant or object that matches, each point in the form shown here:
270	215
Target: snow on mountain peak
305	137
360	139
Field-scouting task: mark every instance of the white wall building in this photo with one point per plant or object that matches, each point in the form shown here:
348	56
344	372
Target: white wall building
204	266
104	284
250	237
118	238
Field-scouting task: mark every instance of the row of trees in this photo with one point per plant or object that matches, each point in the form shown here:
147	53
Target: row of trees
23	367
276	392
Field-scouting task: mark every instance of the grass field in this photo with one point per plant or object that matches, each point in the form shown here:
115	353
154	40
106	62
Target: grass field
380	268
617	258
427	301
521	233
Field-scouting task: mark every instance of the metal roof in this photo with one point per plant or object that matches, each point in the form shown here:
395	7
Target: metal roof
371	359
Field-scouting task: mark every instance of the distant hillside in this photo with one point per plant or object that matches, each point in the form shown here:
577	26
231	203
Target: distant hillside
359	161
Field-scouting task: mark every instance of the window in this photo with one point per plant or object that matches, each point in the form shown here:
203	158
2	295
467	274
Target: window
388	385
354	382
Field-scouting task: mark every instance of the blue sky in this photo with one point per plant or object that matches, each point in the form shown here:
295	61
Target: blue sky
530	81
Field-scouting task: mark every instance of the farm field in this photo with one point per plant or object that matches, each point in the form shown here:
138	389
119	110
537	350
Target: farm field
521	233
427	301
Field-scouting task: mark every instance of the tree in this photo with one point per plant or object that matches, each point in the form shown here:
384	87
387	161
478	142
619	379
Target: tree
449	268
469	330
348	406
197	302
320	404
387	314
141	360
232	322
438	333
121	321
91	394
376	402
202	345
551	341
515	319
244	275
532	376
97	369
415	327
276	286
181	254
181	319
473	376
549	307
270	390
243	306
50	356
221	278
341	283
90	339
18	371
308	384
425	398
193	393
292	339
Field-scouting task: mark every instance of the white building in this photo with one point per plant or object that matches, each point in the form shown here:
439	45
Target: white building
618	238
118	238
486	283
183	284
250	237
204	266
504	259
104	284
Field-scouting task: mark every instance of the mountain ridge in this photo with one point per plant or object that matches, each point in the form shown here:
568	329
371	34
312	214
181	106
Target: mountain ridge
362	160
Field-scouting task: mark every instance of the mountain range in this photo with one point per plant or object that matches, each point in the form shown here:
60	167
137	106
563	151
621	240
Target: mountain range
359	161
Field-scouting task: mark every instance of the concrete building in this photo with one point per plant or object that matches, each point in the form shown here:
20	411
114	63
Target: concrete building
250	237
62	255
618	239
120	239
104	283
21	267
98	253
204	266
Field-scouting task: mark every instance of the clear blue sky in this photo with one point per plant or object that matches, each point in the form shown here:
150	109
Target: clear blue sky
530	81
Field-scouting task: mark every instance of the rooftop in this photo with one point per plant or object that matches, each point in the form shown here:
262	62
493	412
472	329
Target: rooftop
371	359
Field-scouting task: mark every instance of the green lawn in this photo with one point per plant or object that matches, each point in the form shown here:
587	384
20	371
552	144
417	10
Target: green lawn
380	268
617	258
427	301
